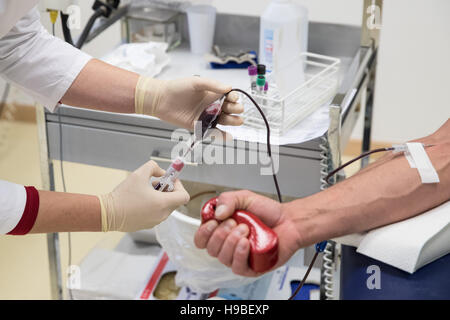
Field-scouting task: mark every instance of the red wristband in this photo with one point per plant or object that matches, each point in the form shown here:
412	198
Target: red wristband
29	213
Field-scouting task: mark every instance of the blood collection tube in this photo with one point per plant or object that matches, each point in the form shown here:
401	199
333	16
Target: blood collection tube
260	82
261	69
253	72
266	89
172	173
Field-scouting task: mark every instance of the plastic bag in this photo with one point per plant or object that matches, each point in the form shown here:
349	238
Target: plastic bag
196	268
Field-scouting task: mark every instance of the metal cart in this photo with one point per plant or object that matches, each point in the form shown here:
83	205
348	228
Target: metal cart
93	137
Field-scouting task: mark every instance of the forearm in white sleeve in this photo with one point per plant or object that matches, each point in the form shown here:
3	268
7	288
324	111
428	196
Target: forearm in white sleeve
13	198
40	64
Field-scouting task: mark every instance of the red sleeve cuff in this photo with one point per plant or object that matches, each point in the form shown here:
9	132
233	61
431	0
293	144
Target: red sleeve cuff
29	213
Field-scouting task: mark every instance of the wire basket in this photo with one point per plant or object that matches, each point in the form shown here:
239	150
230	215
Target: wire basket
284	112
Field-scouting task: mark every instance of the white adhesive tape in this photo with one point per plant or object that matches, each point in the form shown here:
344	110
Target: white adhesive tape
412	164
418	158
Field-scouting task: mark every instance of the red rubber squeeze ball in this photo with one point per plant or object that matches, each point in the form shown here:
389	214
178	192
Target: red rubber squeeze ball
263	240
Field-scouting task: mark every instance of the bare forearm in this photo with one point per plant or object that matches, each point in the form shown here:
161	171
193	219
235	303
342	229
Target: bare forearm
440	136
388	192
102	86
62	212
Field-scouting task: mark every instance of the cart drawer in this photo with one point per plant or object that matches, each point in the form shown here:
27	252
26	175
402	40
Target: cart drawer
298	175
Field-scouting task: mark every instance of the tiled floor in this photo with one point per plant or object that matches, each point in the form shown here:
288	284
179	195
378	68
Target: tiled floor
24	261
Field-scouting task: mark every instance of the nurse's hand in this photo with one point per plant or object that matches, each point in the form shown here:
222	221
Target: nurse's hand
181	101
228	241
135	204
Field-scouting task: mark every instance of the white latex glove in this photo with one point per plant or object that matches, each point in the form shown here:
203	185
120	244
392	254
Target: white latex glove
134	204
181	101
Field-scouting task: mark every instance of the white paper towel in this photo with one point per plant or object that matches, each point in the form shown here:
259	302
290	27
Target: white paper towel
313	126
409	244
110	274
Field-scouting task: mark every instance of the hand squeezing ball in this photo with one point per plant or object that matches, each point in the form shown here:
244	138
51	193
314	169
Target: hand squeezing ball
263	240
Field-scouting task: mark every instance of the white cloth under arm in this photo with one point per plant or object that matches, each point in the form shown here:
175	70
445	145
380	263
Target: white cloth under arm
40	64
13	198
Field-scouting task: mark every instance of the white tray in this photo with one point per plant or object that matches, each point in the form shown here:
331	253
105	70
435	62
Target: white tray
284	112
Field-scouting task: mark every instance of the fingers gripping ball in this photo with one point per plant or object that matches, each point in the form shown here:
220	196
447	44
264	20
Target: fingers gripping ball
263	240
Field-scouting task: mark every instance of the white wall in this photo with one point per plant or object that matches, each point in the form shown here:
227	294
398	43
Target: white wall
100	45
336	11
413	84
414	60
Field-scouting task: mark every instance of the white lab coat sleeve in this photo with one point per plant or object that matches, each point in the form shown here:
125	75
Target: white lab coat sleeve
13	198
40	64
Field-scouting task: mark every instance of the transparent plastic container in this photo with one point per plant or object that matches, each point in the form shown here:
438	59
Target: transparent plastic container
283	33
146	23
201	24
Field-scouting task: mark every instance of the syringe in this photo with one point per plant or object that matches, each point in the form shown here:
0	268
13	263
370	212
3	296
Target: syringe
208	118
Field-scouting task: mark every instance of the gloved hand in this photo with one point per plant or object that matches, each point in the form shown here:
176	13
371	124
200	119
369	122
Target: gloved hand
135	204
181	101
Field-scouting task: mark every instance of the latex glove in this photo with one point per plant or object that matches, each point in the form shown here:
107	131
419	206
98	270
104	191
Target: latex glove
228	242
135	204
181	101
